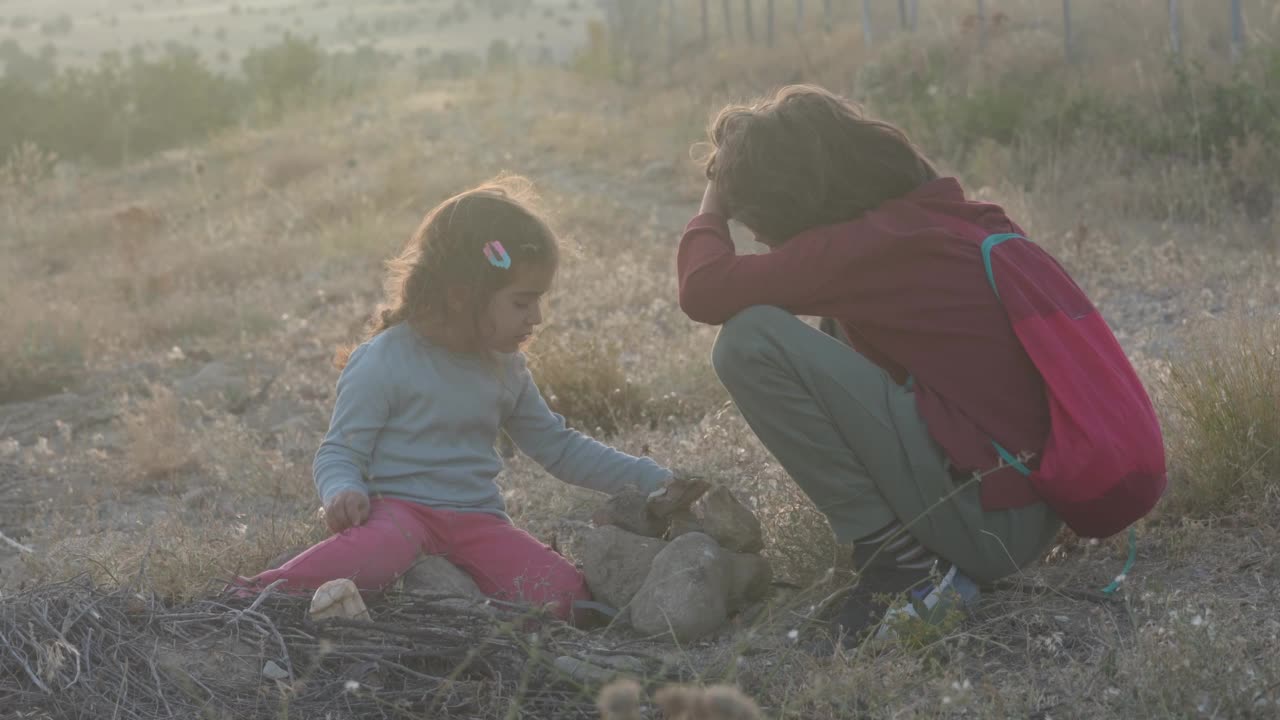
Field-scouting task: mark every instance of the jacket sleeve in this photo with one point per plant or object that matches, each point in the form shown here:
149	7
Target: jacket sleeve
818	272
362	407
569	455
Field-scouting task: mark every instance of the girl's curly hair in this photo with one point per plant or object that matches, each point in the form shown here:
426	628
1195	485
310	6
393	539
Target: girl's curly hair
807	157
447	254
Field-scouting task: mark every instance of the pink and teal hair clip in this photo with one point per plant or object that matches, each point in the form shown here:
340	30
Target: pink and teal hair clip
497	254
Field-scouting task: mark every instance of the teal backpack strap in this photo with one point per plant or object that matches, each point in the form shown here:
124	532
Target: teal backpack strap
1011	459
1128	564
987	246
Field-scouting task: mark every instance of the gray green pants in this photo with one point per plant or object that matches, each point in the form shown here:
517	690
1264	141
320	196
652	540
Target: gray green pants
853	441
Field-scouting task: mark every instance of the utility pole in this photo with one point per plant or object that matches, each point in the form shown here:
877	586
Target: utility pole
867	33
1067	43
982	25
1237	31
768	22
706	23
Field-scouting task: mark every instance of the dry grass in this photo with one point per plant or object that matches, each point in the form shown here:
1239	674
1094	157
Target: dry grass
271	247
160	443
38	356
1224	396
581	377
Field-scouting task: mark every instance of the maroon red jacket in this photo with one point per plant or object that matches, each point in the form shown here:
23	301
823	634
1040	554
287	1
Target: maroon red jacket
907	283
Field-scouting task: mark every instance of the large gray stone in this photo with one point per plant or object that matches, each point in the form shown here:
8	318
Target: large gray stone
749	576
731	523
685	593
630	511
684	521
616	562
434	575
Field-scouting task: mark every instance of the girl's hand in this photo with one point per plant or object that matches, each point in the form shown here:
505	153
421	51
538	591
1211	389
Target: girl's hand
711	201
347	509
677	494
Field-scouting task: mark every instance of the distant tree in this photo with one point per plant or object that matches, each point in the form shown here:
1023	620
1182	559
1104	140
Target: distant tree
282	73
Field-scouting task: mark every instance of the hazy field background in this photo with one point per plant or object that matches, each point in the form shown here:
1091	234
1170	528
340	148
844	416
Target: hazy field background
80	30
188	234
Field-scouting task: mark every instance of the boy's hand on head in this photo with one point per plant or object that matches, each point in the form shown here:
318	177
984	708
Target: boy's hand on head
712	202
347	509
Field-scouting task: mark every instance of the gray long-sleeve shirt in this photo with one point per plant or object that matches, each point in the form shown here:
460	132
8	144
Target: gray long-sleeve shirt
415	421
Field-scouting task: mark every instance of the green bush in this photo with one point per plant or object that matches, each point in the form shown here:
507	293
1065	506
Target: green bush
37	70
283	74
500	53
132	106
40	360
344	74
1205	115
174	99
1226	122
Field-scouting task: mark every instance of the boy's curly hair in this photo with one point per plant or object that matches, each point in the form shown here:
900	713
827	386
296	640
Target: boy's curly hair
445	260
806	157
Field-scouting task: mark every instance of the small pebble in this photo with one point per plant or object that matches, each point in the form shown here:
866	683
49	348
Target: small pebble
272	671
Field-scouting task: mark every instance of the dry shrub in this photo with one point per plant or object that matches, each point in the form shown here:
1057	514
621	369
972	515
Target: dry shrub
159	443
239	469
39	353
1223	397
581	377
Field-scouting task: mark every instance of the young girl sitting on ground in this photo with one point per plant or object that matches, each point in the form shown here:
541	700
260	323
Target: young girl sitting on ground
408	464
884	428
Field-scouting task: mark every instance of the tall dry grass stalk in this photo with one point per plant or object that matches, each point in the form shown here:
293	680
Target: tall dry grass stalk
1224	395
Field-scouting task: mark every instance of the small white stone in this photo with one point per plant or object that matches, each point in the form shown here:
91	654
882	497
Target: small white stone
272	671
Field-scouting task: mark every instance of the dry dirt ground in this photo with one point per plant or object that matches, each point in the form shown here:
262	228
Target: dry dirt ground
178	444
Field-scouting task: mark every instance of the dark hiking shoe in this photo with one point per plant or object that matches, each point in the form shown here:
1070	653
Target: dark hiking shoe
875	606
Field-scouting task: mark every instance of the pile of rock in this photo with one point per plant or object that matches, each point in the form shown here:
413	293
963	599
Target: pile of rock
680	567
683	574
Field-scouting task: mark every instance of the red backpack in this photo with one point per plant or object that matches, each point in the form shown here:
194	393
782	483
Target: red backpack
1103	464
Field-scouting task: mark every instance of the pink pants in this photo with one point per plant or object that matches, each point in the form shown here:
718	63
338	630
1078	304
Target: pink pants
506	562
